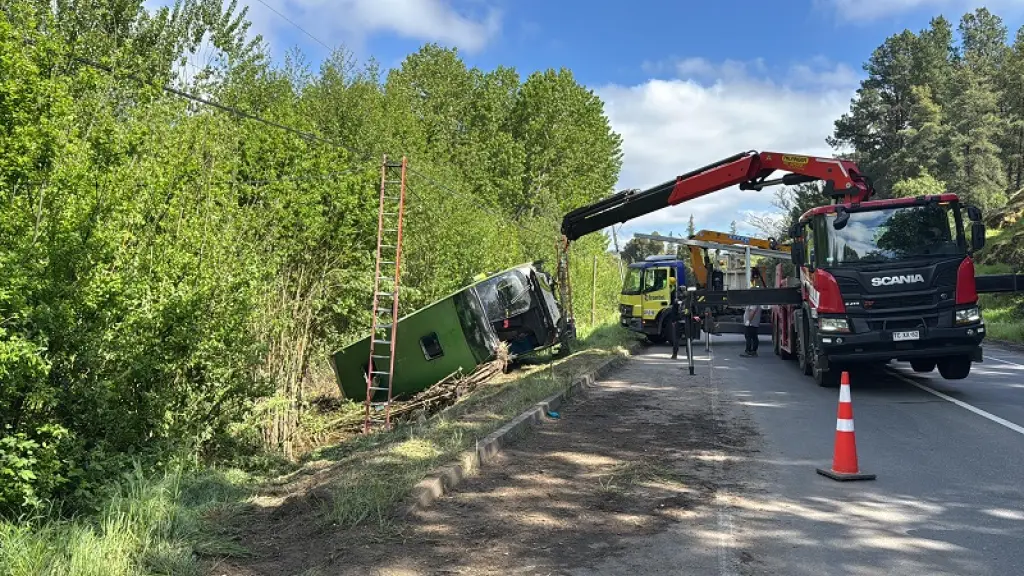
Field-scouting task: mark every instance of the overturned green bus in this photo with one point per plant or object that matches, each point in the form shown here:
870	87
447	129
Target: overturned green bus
460	332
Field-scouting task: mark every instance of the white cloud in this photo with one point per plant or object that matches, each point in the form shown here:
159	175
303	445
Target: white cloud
350	22
870	10
674	125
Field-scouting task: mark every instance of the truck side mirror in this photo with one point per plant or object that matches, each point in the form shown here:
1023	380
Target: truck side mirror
842	218
974	214
977	235
797	254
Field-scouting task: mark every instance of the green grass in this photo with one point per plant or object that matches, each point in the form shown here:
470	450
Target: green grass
1004	316
1004	313
162	525
152	527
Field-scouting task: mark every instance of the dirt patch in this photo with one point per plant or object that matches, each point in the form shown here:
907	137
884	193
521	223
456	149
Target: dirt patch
641	453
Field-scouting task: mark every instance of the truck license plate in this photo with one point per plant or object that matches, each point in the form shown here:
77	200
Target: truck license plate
915	335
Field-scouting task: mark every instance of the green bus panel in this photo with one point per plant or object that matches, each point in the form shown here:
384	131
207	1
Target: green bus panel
431	344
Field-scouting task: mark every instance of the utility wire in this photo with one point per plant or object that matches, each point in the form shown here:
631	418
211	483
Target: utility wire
309	136
224	108
430	181
301	29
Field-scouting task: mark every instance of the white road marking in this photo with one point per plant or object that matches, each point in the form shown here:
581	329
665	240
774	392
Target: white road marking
1004	361
726	530
1001	421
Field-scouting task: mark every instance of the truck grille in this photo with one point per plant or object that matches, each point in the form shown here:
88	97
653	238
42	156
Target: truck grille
904	323
946	275
848	286
900	302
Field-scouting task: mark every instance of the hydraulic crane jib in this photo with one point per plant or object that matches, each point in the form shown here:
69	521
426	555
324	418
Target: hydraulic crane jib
747	170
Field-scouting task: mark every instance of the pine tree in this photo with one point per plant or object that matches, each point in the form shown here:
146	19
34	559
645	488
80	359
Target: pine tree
690	229
977	173
1012	107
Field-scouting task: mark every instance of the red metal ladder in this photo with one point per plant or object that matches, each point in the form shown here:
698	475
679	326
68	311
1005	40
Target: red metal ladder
384	328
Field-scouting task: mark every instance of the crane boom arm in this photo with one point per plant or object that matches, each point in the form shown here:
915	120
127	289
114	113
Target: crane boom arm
748	170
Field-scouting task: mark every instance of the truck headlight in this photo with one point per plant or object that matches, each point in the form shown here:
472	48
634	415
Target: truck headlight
833	325
968	315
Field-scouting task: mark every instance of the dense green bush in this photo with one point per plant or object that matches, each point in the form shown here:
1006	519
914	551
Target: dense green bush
173	277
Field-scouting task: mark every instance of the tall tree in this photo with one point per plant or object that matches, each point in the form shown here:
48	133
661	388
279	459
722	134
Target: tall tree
1012	107
880	112
572	154
983	39
638	249
977	172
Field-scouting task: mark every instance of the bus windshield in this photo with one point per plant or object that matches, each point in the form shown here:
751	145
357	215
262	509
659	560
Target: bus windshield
505	296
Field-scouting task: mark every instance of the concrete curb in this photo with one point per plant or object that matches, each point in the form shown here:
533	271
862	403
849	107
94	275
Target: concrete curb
445	479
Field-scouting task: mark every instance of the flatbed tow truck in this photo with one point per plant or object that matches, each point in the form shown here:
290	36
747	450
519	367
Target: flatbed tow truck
877	280
725	319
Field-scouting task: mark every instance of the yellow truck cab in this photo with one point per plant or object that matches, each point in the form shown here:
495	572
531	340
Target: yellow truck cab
646	293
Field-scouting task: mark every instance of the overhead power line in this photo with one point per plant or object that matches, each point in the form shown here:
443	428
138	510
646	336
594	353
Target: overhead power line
223	107
301	29
309	136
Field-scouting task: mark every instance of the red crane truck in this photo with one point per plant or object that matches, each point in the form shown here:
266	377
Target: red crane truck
876	280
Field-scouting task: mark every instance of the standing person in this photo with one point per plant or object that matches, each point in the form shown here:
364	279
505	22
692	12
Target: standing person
672	317
751	326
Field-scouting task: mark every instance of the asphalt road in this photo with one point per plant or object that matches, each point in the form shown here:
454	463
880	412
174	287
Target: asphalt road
949	459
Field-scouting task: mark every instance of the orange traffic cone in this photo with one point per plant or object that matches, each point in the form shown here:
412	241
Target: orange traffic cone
844	457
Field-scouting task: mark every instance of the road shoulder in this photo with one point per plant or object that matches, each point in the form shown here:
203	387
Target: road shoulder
636	471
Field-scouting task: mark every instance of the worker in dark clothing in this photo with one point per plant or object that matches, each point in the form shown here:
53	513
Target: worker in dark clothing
672	317
751	326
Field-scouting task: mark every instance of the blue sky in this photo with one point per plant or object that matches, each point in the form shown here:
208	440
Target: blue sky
685	82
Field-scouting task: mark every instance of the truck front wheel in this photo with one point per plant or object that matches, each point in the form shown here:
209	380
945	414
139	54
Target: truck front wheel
827	378
956	368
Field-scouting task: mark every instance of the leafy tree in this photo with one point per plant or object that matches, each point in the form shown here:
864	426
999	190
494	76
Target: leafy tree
983	42
637	249
1011	105
880	112
923	185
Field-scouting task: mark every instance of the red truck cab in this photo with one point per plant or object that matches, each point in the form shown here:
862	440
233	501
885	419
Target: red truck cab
884	280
